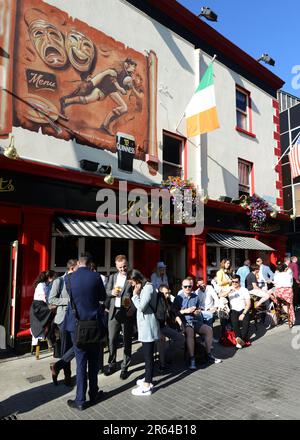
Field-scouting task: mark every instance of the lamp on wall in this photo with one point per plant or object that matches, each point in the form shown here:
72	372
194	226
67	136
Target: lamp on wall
267	59
207	13
109	179
10	152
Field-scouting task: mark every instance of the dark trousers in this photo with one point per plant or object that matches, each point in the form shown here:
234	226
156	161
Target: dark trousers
148	349
87	367
67	352
114	328
240	328
295	293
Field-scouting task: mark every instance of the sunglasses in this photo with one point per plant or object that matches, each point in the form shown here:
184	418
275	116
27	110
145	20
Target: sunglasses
187	287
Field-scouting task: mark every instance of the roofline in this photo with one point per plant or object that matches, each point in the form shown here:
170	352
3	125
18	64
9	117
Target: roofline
210	36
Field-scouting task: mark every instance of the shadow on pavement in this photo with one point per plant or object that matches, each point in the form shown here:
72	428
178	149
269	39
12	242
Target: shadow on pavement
28	400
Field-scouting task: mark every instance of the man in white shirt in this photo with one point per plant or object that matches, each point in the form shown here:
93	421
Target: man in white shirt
121	316
265	274
209	301
240	304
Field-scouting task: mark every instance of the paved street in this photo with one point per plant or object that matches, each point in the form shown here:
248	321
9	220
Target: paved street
259	382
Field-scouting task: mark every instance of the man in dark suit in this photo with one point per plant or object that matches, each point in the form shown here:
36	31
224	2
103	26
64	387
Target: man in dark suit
86	290
121	316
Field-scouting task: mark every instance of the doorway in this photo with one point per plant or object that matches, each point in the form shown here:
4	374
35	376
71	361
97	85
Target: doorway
8	278
174	258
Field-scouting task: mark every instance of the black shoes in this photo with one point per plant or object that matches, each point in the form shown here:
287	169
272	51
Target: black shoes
124	374
68	381
72	404
110	370
54	373
97	398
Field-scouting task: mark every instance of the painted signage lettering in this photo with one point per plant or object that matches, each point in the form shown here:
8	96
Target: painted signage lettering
40	80
6	185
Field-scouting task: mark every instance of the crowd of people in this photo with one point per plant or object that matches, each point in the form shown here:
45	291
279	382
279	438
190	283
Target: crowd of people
165	321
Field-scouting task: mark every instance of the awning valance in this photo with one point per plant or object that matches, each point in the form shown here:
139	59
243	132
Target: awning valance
89	228
239	242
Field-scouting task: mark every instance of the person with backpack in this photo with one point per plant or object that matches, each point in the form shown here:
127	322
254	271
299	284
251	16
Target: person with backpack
59	297
145	300
166	317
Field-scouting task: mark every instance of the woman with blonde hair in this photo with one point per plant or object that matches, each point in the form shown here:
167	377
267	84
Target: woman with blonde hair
224	274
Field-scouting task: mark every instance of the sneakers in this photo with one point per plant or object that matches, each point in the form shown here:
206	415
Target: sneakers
192	365
240	341
140	382
247	344
142	390
213	360
238	345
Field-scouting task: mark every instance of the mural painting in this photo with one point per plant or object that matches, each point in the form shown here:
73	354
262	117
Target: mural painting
72	81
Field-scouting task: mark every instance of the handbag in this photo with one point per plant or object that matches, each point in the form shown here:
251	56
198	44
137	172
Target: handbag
88	333
228	338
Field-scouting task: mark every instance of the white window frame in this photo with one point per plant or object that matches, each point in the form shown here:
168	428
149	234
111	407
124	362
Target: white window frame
238	89
106	269
181	167
218	257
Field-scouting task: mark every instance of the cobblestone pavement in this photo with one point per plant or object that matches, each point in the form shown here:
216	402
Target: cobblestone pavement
258	382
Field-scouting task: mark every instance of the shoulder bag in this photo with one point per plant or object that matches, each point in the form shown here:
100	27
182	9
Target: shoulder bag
87	333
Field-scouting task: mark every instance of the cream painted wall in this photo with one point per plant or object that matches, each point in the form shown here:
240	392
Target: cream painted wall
177	62
221	148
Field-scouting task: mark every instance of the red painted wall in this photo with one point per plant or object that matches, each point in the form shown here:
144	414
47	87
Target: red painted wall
34	258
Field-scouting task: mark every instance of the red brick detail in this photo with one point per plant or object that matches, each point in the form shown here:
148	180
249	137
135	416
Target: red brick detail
279	185
276	120
281	193
276	104
279	202
277	152
276	136
278	144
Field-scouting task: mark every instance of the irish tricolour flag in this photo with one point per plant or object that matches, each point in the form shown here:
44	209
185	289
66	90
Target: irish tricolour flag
201	112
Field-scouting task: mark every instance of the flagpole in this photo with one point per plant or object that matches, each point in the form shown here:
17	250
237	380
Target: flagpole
288	148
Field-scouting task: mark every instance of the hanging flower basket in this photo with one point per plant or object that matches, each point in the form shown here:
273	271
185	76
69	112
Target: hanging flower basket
257	209
179	189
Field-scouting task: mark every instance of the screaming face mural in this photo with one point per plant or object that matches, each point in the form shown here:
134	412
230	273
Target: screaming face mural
49	43
73	81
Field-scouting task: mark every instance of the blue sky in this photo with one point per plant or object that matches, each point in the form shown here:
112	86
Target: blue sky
261	26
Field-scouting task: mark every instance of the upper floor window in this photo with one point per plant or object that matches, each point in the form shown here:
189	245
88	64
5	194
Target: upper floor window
172	156
245	173
243	111
297	199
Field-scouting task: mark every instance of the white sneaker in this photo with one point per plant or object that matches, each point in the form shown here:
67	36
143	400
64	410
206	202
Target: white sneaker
238	346
142	391
213	359
140	382
240	341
